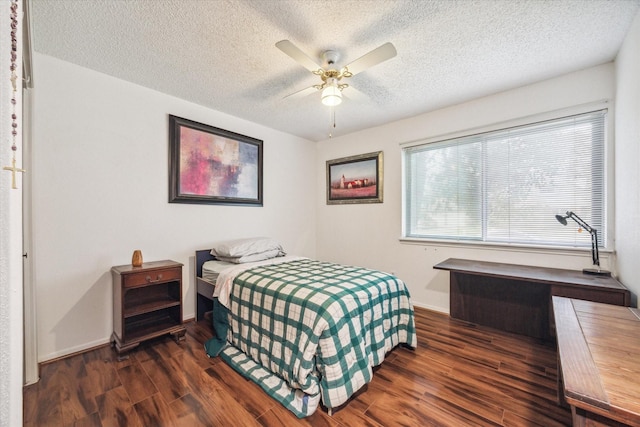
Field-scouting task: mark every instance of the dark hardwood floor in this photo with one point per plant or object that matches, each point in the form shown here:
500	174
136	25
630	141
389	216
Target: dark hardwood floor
460	375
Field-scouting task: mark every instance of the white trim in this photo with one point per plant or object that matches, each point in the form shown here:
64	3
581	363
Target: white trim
430	307
522	121
497	246
31	371
27	50
11	280
75	349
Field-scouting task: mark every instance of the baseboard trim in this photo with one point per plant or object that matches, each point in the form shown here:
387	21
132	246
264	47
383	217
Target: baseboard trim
54	357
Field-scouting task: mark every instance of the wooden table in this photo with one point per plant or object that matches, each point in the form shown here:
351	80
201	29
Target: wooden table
599	358
517	298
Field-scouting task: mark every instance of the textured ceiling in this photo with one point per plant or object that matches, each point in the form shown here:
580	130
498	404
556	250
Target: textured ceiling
222	54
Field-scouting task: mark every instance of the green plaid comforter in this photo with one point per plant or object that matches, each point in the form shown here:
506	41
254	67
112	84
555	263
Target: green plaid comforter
318	326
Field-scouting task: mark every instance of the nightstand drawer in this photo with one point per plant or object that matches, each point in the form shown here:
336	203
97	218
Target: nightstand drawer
144	278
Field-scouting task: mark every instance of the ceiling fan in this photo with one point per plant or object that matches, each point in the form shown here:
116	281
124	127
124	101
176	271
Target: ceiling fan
332	84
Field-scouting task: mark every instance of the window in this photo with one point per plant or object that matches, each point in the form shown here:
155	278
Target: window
506	186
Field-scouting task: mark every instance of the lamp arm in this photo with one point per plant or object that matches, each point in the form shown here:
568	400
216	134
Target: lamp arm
594	247
580	222
594	237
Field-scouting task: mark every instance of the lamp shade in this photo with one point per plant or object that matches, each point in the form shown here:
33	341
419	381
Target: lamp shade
331	96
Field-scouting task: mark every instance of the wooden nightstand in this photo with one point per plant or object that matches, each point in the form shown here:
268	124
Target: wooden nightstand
147	303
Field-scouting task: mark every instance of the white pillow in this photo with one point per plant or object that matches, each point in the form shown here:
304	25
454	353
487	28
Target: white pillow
253	257
243	247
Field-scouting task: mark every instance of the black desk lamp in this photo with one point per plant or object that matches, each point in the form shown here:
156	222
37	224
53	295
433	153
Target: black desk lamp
594	243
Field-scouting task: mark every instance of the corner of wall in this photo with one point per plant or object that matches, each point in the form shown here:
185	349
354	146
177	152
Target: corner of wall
627	154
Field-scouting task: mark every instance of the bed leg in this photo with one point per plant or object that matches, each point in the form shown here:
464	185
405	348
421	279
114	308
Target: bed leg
330	412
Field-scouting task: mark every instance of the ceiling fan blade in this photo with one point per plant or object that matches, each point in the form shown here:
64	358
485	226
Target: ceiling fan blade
376	56
301	93
290	49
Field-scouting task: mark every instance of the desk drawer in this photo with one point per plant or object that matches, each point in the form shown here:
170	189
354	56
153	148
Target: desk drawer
145	278
594	294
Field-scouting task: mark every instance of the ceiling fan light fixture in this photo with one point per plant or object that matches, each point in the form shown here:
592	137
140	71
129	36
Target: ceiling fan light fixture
331	96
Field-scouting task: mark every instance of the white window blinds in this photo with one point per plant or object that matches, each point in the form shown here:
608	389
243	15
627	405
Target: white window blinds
506	186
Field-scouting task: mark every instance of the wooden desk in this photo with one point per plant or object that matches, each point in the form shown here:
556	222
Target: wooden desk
517	298
599	358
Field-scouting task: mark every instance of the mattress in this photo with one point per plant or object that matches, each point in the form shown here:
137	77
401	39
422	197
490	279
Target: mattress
211	269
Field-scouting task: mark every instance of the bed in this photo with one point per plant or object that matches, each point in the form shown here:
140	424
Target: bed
306	331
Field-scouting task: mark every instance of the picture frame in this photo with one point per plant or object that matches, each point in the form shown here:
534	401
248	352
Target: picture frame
355	179
209	165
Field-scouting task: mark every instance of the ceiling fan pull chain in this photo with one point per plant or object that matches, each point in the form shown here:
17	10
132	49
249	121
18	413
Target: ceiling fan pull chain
332	119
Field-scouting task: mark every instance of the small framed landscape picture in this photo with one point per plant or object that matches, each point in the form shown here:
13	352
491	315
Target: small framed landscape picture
212	165
355	179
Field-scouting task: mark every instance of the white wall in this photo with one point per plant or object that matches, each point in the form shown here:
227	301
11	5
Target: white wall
100	191
11	353
100	171
627	159
369	234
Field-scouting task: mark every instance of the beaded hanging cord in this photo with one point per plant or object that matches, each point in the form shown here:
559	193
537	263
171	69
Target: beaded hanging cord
14	79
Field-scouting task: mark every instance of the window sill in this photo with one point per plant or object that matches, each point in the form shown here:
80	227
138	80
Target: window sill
492	246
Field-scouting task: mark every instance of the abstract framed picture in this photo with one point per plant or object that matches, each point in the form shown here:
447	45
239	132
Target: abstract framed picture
355	179
212	165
